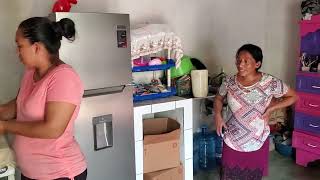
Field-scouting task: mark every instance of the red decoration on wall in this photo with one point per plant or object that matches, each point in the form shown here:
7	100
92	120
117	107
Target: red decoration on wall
63	5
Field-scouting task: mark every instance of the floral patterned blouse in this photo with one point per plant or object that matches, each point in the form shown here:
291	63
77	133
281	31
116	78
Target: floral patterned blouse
246	129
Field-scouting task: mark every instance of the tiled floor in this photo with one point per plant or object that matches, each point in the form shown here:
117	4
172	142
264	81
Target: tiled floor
280	168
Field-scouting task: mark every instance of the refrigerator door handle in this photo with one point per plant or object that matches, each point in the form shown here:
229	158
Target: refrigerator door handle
104	91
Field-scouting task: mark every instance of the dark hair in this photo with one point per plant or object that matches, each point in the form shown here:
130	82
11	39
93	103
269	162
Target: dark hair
41	29
255	52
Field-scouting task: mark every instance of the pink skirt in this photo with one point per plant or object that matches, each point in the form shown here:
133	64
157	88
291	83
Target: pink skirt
245	165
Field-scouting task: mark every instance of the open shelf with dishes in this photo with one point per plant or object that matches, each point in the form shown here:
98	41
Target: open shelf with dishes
157	88
167	65
154	49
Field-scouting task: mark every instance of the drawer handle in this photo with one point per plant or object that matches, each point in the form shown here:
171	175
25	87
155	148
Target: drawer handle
310	145
315	126
314	105
315	87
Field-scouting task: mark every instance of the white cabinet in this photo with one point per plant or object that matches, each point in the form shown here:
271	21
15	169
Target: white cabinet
176	108
7	170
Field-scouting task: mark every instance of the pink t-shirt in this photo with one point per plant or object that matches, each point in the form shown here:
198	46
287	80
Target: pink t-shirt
47	159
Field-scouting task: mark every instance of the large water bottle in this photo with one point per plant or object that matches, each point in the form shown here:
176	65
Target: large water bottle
218	148
196	137
207	159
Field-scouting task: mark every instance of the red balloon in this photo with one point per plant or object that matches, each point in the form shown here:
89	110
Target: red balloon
63	5
73	1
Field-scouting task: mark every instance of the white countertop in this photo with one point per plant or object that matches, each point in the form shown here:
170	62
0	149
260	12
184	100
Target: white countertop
168	99
158	101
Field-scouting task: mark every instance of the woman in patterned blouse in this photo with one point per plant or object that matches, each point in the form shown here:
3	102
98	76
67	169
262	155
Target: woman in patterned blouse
249	95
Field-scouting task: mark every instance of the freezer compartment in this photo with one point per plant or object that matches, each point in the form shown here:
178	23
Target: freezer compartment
100	52
110	150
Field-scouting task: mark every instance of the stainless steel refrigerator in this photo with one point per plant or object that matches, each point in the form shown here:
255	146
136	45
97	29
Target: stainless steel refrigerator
104	128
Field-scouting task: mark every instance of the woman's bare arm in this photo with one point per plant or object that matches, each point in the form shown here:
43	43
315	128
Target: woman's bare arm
57	117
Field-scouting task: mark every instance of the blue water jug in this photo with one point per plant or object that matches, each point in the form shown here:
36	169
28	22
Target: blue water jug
218	148
196	137
207	159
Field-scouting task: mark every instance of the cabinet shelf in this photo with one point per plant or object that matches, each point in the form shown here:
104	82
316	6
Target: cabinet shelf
313	74
170	63
171	91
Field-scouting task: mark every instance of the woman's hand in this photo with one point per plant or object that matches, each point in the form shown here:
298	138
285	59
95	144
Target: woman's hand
266	115
8	110
286	100
218	120
2	129
219	124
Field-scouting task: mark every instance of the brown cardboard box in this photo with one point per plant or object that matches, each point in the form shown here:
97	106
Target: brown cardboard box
167	174
161	144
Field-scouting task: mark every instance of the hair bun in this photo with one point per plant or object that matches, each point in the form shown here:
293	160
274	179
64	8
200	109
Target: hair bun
58	30
67	28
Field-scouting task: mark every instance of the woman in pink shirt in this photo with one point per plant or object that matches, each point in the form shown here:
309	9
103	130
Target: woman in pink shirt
43	114
249	94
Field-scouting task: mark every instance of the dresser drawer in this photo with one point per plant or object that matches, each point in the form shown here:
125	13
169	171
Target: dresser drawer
307	122
306	142
308	103
308	84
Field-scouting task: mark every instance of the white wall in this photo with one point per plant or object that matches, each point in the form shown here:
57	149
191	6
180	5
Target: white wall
271	24
235	23
282	38
211	30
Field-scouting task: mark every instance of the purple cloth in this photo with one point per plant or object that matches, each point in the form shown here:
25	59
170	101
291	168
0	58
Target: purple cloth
245	165
310	43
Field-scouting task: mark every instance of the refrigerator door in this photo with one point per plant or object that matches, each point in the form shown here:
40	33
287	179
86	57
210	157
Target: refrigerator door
100	52
104	130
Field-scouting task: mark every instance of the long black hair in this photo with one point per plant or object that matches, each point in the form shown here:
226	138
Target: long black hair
41	29
255	52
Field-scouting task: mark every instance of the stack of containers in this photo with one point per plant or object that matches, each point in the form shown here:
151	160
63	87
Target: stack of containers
161	143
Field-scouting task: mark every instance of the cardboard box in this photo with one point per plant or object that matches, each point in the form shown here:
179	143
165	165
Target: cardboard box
167	174
161	144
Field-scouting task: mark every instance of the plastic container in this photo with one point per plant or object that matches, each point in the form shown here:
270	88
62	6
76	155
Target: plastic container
166	66
185	68
207	159
183	85
218	148
283	148
196	137
140	62
271	143
199	80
